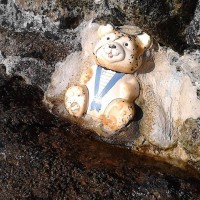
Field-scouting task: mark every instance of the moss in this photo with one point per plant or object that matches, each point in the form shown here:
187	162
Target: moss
190	136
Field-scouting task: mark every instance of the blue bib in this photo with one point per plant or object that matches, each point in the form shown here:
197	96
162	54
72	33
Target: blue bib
96	102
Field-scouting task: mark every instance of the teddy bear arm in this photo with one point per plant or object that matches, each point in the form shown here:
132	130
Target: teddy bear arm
86	76
129	89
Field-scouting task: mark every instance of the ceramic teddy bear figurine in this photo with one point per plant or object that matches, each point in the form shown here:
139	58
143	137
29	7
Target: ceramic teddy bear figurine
107	90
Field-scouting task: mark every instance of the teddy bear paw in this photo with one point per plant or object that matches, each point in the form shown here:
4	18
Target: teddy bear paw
76	100
117	115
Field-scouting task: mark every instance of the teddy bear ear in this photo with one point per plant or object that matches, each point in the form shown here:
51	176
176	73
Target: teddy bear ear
104	30
143	40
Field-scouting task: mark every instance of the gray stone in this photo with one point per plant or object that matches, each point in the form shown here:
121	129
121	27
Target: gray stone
193	31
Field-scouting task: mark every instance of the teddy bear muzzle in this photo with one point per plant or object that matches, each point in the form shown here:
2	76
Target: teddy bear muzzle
112	52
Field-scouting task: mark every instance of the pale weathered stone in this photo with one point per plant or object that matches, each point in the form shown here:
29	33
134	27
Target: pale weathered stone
169	83
169	96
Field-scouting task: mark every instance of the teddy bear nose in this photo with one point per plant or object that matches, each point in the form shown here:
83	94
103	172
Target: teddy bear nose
112	46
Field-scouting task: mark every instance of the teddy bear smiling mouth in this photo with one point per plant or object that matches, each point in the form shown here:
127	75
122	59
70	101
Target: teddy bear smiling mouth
111	52
110	55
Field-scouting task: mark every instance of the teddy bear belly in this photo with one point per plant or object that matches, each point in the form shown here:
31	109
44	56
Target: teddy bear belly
103	102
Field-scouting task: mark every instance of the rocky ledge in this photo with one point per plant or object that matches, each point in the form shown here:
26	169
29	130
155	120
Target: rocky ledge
44	157
36	40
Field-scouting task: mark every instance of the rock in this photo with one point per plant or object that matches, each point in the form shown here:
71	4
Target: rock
46	43
169	85
155	17
170	96
43	157
31	56
193	30
189	137
166	20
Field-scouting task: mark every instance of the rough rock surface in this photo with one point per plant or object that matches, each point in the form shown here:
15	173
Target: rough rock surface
193	30
37	37
42	157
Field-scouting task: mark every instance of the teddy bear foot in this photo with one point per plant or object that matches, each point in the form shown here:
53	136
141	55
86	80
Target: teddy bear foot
76	100
117	115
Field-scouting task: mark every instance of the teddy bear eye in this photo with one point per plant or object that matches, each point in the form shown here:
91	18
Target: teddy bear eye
126	44
108	38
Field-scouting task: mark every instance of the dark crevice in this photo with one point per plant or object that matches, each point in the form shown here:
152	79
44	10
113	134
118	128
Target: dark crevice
71	22
4	2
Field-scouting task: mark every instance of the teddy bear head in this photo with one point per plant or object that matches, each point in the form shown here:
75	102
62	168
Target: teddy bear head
120	51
